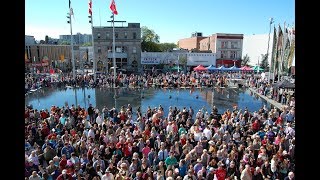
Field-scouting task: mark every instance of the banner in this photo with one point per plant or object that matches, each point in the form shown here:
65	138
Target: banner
274	50
150	60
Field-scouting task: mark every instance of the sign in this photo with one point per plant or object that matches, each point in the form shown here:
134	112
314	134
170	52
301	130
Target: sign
205	59
40	64
150	60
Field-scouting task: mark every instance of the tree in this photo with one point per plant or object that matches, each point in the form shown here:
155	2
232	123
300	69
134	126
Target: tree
183	61
245	60
165	47
150	40
150	46
87	44
64	43
264	62
149	35
46	39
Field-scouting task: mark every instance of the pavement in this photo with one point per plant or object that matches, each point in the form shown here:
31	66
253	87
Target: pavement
271	101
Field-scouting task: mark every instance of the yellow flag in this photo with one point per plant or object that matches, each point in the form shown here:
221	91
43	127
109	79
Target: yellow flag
25	56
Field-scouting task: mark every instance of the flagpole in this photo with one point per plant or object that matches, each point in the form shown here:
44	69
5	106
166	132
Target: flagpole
113	53
271	21
72	53
93	57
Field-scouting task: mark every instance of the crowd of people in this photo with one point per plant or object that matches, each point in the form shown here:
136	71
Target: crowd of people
75	143
72	142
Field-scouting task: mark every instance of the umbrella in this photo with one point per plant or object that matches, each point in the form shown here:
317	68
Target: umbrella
222	68
176	68
234	68
258	68
246	68
211	68
200	68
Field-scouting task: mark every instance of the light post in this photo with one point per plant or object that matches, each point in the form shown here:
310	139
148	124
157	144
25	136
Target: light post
269	74
93	56
72	53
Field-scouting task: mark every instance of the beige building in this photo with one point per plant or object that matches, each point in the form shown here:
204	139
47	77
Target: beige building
227	47
44	57
127	47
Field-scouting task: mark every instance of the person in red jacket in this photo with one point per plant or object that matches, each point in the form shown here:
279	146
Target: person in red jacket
64	175
255	126
221	173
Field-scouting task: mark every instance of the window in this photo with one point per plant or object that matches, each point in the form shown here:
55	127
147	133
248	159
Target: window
223	54
233	54
134	35
108	36
98	35
118	49
99	49
116	35
125	35
234	44
224	44
134	50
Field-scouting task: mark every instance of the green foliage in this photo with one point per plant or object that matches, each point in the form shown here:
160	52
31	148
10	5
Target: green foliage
64	43
165	47
148	35
150	47
245	61
87	44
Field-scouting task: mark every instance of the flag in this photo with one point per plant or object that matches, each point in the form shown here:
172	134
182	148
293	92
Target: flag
274	50
70	9
90	7
279	44
286	49
291	54
113	7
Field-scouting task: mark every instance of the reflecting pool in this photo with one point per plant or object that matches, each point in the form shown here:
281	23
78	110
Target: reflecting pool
223	99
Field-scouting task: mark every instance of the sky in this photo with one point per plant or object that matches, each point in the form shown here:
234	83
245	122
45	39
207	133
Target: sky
170	19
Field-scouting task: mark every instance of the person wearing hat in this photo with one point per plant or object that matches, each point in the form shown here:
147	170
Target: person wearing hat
198	166
64	175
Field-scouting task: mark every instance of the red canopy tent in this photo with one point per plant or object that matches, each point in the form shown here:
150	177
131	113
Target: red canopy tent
200	68
246	68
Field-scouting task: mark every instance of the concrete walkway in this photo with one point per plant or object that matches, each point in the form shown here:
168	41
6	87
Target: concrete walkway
271	101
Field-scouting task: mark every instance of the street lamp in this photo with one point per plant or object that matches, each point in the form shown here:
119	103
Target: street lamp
271	21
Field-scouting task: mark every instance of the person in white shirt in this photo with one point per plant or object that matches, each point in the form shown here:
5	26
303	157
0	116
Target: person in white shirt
107	175
207	132
99	119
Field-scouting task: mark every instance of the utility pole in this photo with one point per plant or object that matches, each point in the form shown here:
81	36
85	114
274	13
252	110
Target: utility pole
72	53
269	75
94	61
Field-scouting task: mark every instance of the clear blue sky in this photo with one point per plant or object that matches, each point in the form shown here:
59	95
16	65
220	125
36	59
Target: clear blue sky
170	19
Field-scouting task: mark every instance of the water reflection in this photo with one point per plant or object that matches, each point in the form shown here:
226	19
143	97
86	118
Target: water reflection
223	99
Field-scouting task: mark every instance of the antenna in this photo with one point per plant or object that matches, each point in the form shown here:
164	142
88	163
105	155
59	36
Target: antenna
99	17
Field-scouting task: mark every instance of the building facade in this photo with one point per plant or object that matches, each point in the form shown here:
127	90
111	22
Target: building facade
29	40
78	38
127	47
227	47
192	43
43	57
